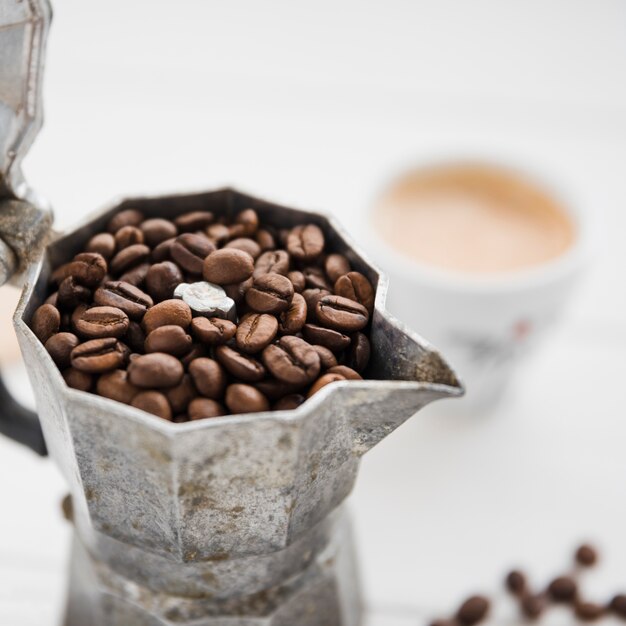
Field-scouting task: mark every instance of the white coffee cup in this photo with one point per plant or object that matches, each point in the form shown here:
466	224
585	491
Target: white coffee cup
483	323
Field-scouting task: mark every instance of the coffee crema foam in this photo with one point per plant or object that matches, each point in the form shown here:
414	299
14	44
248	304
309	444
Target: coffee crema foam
473	218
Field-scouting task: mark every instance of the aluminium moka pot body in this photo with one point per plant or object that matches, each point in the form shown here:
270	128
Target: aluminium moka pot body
231	521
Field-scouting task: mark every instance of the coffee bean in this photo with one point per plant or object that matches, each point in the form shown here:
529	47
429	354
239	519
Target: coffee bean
167	313
116	386
240	365
195	220
270	293
52	299
170	339
588	611
305	242
128	236
198	351
246	224
162	279
292	360
99	355
203	408
355	286
245	399
213	330
77	380
288	403
137	275
208	377
265	239
46	322
135	337
315	278
255	332
71	294
129	257
128	217
247	245
347	372
153	402
87	268
157	230
297	280
533	606
76	314
516	582
563	589
102	321
155	370
473	611
190	250
312	297
322	381
292	320
162	251
272	262
181	395
618	606
359	353
586	555
331	339
327	358
336	265
218	233
341	314
103	244
60	348
227	266
275	389
125	297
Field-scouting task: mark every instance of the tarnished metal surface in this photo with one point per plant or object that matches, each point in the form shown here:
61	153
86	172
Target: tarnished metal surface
234	490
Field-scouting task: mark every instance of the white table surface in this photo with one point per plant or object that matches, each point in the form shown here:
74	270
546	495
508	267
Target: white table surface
316	105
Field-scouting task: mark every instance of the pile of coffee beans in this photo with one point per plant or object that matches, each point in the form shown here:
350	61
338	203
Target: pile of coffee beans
199	317
563	590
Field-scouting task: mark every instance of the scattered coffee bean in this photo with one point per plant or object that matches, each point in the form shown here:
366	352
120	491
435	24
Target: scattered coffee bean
355	286
126	297
312	297
240	365
208	377
331	339
128	236
169	339
189	251
272	262
227	266
116	386
618	606
198	351
563	589
516	582
255	332
157	230
297	280
245	399
137	275
246	224
247	245
155	370
45	322
181	395
103	244
336	265
128	258
288	403
102	321
71	294
294	317
166	313
586	555
473	611
359	353
218	233
265	239
327	358
195	220
347	372
99	355
60	348
213	331
153	402
161	252
87	269
127	217
341	314
315	278
162	279
305	242
292	360
532	606
588	611
324	380
270	293
77	379
203	408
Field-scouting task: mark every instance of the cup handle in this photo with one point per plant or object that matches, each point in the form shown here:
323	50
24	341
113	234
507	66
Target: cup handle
19	423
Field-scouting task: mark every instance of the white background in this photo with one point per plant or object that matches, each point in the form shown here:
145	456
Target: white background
316	104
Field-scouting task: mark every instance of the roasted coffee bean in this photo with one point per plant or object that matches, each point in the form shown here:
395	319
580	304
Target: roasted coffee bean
305	242
246	224
162	251
336	265
129	257
322	381
162	279
46	322
153	402
208	377
155	370
341	314
71	294
76	314
52	299
347	372
157	230
288	403
218	233
169	312
297	280
473	611
237	292
103	244
99	355
213	331
116	386
588	611
292	360
77	380
255	332
247	245
312	297
293	319
190	250
275	389
135	337
355	286
202	408
133	301
272	262
265	239
87	268
240	365
516	582
586	555
128	217
270	293
245	399
137	275
181	395
102	321
563	589
170	339
327	358
60	348
195	220
315	278
198	351
327	337
533	606
618	606
359	354
128	236
227	266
